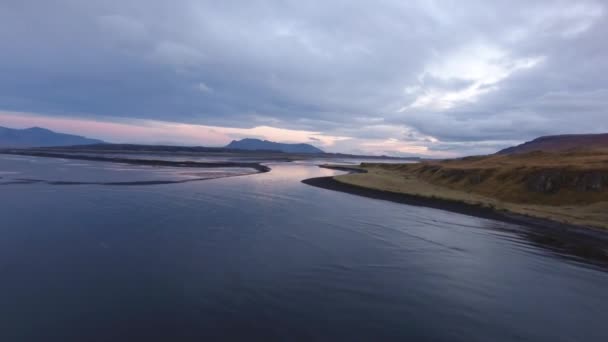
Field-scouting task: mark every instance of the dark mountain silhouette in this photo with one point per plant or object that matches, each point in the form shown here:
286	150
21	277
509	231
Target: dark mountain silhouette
560	143
265	145
40	137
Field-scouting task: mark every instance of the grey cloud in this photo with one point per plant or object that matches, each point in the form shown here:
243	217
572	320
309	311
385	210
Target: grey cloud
341	68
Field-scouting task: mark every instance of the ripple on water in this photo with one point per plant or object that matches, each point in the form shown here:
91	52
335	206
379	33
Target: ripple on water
269	257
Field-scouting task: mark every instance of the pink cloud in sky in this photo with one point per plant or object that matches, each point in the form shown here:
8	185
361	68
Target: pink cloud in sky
161	132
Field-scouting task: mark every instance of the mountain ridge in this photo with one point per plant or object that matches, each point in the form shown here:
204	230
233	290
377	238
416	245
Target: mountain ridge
251	144
40	137
560	143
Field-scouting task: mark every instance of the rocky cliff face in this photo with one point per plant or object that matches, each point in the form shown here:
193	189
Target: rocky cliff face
552	181
535	178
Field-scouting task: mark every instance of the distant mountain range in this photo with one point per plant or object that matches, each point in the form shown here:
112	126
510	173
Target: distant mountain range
40	137
37	137
560	143
265	145
220	151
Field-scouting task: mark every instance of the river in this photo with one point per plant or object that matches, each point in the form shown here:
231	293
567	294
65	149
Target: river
265	257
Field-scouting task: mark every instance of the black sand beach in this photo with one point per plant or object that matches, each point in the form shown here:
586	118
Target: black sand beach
595	241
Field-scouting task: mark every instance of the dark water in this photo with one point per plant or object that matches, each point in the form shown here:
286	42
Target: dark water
266	257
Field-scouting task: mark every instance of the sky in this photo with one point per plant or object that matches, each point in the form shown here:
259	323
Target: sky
403	78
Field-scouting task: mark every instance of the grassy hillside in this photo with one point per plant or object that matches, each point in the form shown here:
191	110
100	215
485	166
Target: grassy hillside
560	143
568	187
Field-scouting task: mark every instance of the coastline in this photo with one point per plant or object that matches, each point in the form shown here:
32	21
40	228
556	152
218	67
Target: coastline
598	235
147	162
501	189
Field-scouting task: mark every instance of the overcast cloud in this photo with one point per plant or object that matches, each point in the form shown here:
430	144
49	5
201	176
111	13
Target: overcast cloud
400	77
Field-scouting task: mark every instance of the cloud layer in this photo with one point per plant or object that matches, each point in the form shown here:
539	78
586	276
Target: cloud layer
407	77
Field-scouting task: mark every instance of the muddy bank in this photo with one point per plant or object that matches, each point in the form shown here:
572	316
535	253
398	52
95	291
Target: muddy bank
146	162
19	181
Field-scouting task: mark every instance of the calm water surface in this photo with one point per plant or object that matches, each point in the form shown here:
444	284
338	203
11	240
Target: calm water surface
266	257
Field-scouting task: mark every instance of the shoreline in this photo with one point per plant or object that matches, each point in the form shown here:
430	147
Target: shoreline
126	183
147	162
584	232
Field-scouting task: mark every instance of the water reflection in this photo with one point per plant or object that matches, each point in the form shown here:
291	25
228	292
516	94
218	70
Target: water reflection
267	257
56	171
573	246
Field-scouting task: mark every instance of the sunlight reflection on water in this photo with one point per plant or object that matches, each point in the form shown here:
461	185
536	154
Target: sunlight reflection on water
266	257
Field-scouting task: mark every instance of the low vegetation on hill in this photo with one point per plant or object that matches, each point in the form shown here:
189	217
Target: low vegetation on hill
560	143
536	177
569	187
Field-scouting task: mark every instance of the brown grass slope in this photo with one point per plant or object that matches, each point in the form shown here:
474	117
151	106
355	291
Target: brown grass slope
568	187
561	143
